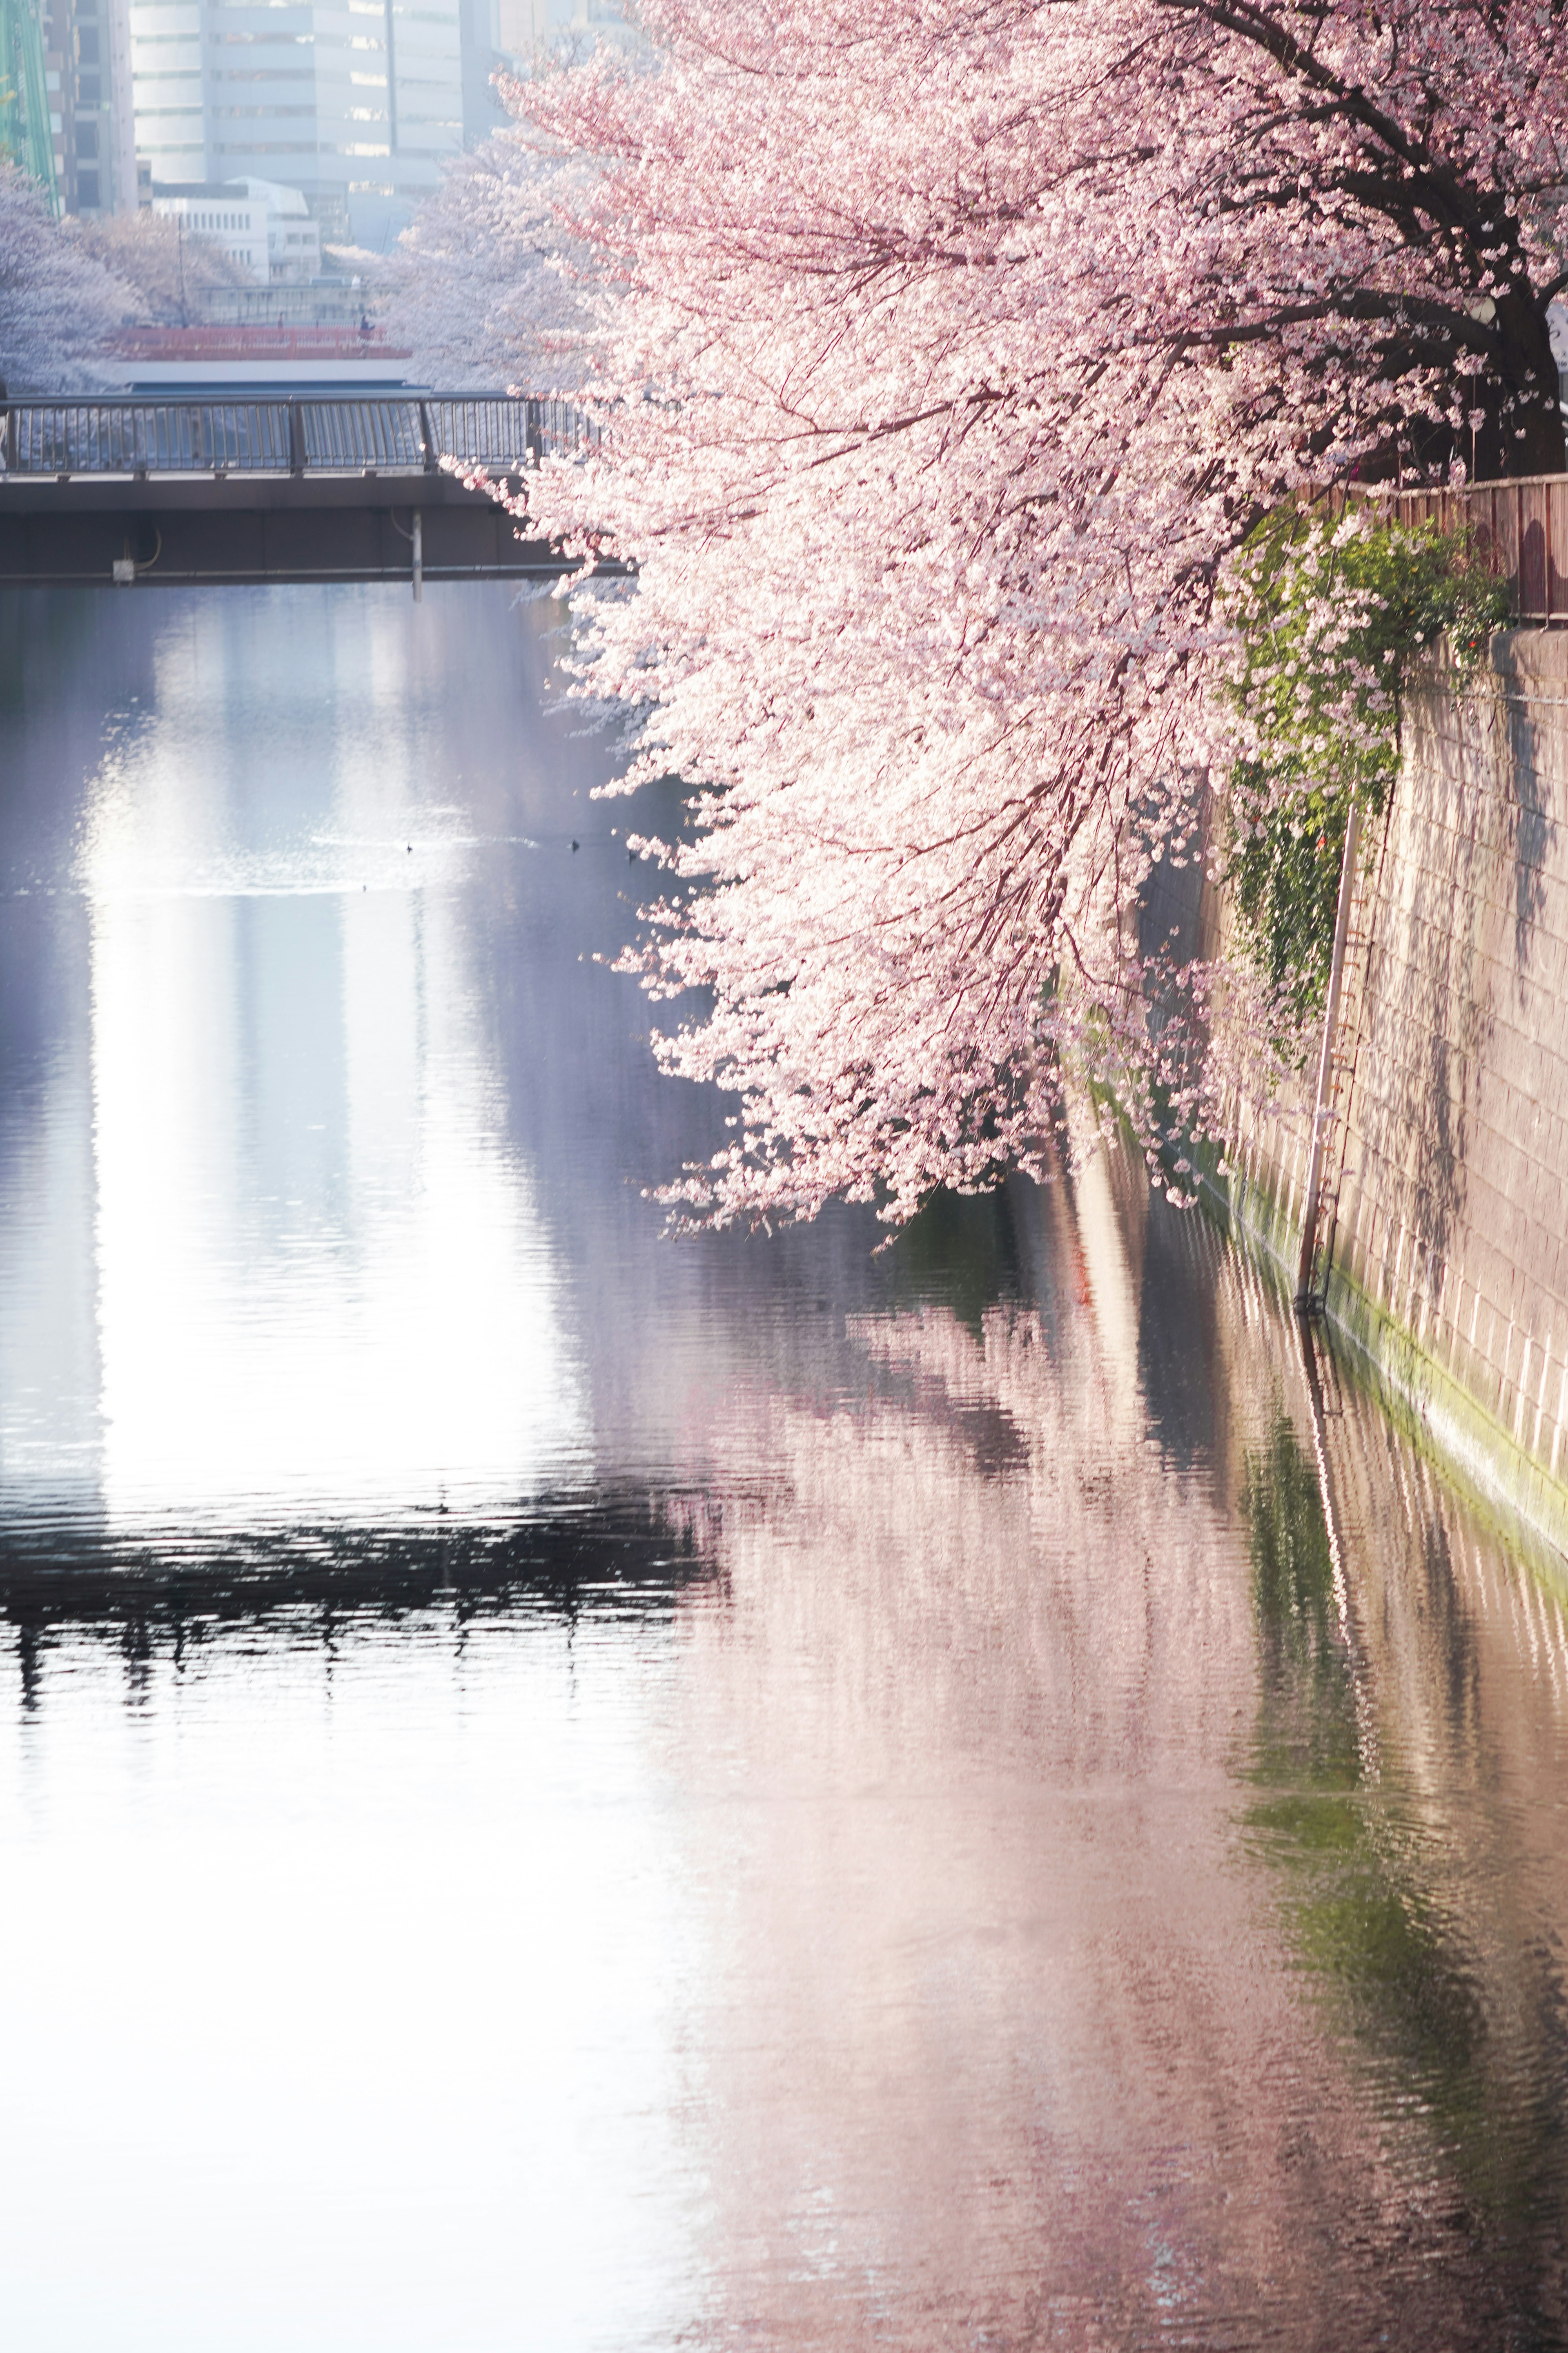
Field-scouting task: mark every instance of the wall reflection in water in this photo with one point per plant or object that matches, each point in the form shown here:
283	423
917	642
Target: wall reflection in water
969	1797
1147	1942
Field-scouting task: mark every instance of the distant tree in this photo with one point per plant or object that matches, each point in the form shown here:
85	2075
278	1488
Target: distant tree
957	346
56	302
481	285
167	268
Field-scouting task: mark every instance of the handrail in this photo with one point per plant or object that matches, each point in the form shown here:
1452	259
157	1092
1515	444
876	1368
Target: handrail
322	431
174	396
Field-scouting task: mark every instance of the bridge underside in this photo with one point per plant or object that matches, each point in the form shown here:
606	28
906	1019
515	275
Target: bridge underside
241	529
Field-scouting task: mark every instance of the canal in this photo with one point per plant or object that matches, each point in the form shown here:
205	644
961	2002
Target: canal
564	1789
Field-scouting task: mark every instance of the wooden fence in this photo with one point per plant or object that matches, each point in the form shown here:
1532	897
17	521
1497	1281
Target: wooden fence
1521	527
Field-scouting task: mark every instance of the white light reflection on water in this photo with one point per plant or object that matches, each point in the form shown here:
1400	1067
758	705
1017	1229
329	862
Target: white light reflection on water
322	1279
340	1994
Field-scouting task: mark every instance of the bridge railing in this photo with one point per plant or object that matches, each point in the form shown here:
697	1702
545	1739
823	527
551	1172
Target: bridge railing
302	433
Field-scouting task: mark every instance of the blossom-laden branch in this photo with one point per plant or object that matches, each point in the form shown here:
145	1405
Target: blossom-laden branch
951	350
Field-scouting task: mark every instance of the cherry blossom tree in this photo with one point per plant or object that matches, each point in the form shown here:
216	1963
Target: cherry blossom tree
57	303
483	285
167	267
956	346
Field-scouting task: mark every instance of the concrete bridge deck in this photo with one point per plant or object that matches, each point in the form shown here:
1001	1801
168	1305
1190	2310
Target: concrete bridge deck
222	491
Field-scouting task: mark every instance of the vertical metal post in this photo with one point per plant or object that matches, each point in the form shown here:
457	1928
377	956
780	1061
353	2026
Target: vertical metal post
1546	503
418	557
1321	1109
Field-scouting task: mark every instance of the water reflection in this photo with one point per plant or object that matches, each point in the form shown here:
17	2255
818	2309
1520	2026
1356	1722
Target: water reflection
1461	2028
560	1790
321	1276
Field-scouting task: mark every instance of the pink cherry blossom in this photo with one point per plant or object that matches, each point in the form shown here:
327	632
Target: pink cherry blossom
56	301
948	351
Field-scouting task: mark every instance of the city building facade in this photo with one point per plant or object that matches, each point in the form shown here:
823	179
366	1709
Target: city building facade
357	103
65	102
228	216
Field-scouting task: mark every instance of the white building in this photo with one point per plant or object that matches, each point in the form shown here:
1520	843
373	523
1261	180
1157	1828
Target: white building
226	214
357	103
293	235
268	230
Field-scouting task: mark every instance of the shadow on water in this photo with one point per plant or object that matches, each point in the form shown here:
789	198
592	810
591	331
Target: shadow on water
1468	2045
964	1252
168	1593
636	1553
631	1550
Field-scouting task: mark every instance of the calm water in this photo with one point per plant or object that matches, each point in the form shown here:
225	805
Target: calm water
563	1790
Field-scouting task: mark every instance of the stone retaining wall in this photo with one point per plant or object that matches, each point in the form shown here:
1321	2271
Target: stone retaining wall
1450	1247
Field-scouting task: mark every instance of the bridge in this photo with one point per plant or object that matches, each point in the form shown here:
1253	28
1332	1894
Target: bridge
319	486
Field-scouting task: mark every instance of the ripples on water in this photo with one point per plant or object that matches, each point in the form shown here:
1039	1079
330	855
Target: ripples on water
563	1790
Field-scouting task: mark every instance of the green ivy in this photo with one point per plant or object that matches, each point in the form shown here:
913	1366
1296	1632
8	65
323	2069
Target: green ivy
1330	614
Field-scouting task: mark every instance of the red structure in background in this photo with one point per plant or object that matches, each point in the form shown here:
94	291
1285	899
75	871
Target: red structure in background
226	344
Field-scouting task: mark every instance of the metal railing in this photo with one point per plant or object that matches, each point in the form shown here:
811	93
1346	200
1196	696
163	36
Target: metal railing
317	433
1520	527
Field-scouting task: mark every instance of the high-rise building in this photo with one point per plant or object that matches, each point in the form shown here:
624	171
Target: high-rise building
356	102
510	35
64	102
524	27
29	99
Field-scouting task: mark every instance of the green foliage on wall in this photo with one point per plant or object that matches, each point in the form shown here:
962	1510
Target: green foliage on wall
1331	615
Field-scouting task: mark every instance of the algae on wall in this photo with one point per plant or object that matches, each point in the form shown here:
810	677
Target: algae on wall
1449	1266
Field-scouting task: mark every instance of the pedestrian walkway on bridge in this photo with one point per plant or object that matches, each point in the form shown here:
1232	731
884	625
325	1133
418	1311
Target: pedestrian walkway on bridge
317	486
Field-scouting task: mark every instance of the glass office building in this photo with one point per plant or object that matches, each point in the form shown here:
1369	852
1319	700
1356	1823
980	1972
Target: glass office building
357	102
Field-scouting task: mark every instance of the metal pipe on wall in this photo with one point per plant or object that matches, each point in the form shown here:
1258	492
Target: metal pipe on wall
1321	1109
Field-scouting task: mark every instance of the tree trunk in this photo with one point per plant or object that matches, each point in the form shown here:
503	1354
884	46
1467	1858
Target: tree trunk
1529	439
